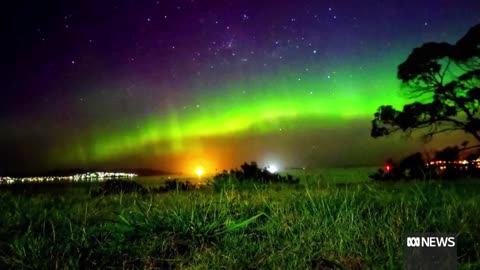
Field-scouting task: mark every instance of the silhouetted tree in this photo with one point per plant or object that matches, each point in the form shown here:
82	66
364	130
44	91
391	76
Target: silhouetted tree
411	167
444	81
473	155
448	154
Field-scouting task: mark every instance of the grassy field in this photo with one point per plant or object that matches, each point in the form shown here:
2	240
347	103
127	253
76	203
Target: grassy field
319	224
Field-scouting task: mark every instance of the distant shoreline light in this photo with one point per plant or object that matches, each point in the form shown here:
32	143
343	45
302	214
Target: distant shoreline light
100	176
199	171
272	168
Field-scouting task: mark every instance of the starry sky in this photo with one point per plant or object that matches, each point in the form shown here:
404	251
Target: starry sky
181	83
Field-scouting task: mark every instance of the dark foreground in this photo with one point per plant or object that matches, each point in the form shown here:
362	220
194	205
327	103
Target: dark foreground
349	226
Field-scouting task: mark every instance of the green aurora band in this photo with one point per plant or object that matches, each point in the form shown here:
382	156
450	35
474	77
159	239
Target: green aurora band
283	101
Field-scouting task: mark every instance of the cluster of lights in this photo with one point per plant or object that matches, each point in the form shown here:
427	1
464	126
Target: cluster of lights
462	164
442	164
100	176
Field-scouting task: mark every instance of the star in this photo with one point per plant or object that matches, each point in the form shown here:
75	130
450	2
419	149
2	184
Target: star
187	53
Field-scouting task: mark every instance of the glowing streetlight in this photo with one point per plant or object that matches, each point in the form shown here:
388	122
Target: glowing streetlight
199	171
272	168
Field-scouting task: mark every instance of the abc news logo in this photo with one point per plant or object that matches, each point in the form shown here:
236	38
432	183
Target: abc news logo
430	251
432	241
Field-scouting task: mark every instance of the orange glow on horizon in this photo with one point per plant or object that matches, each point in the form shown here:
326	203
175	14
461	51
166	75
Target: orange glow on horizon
200	166
199	171
212	161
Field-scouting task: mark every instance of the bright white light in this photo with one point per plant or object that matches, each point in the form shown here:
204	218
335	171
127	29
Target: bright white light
272	168
199	171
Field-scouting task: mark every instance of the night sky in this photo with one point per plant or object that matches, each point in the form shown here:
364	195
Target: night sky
177	84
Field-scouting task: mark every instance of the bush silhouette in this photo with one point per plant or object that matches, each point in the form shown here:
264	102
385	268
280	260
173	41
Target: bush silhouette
415	167
251	174
411	167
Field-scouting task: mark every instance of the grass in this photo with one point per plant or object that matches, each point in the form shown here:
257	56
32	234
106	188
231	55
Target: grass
318	225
